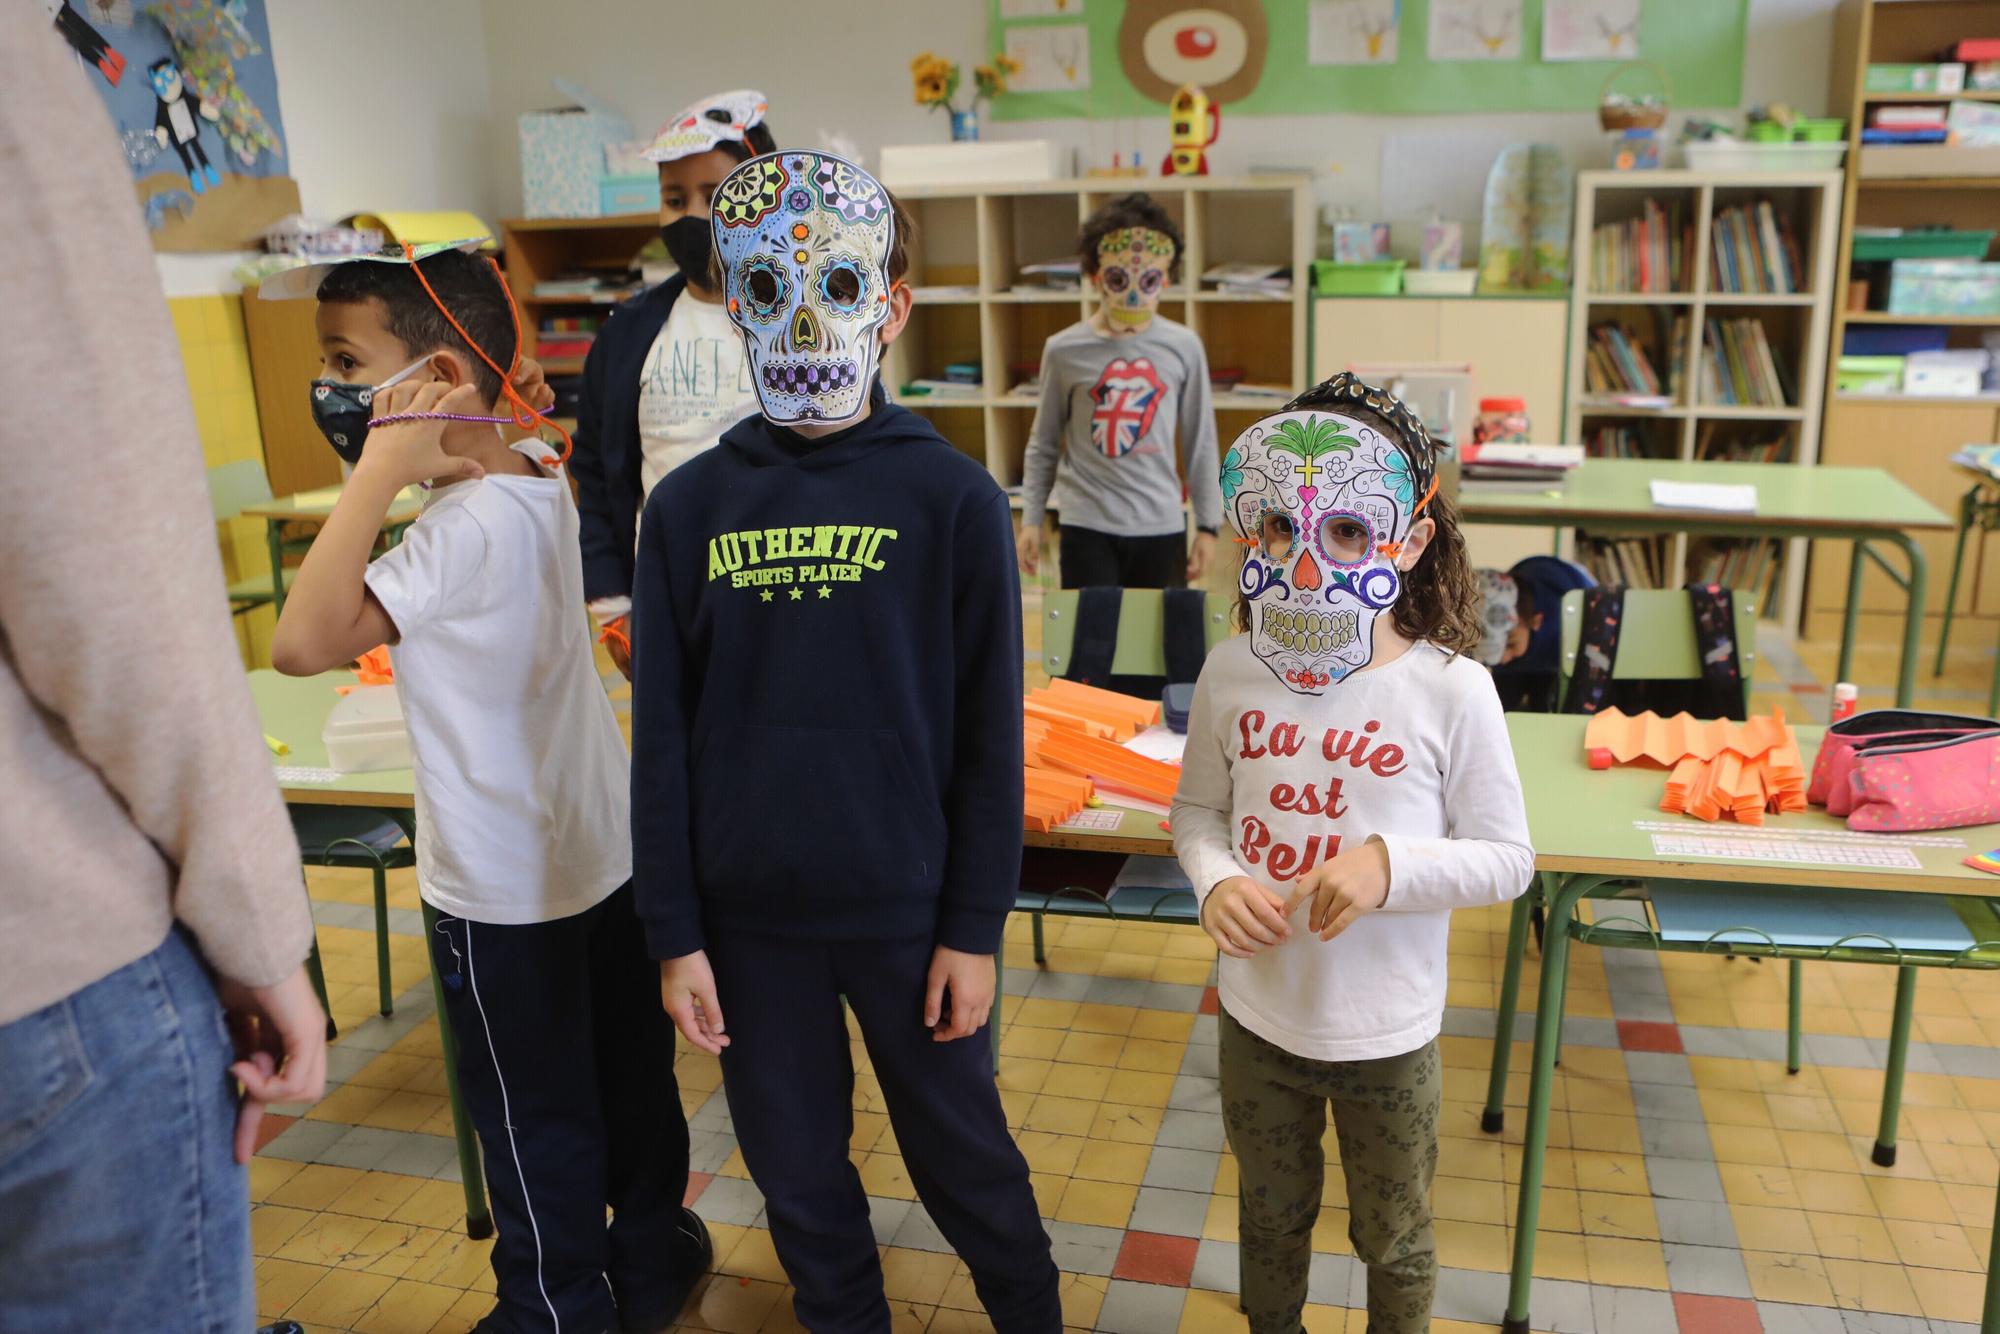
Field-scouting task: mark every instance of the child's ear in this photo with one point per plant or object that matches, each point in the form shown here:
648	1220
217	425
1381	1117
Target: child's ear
901	301
451	367
1535	621
1415	544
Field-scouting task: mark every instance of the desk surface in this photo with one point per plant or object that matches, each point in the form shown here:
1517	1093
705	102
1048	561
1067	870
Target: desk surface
1790	497
311	505
1582	820
293	709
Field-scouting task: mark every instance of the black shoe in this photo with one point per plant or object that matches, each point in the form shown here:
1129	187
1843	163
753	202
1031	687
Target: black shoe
694	1268
282	1327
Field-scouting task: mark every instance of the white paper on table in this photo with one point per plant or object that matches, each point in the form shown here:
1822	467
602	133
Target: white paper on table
1159	742
1724	498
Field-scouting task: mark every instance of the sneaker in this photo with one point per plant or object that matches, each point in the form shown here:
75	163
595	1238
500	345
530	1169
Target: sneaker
662	1318
282	1327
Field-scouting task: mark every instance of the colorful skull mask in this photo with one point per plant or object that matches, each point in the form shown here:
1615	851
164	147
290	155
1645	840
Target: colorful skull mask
804	241
1325	501
708	124
1133	265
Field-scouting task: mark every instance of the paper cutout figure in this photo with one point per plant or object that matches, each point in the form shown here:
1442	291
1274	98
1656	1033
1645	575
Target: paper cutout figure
1193	126
175	124
87	42
1218	44
1718	768
1475	30
1354	32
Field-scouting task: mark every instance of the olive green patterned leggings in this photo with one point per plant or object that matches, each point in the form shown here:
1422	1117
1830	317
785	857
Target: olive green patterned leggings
1385	1113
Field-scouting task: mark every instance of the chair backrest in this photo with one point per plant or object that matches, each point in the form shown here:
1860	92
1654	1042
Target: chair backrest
1656	640
1141	649
232	486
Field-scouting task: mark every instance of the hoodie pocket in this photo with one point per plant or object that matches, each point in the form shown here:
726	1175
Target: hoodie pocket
814	814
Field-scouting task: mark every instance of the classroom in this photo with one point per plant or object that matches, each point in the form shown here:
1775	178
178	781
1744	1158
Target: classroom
1145	666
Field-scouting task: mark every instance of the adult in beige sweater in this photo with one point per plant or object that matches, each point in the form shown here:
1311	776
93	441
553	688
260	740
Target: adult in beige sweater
152	920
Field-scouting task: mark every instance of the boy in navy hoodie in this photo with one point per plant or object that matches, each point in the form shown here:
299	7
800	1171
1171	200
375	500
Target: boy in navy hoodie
826	772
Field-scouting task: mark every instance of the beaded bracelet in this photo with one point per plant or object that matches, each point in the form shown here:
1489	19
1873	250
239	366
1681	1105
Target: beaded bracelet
393	418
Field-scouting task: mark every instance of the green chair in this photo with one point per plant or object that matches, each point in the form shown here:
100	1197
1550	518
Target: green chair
1657	643
355	836
232	488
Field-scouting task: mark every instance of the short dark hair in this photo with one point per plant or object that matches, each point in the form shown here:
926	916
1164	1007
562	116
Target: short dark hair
756	141
469	289
1133	210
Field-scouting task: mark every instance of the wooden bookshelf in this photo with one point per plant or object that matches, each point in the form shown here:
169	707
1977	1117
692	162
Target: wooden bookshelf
1911	436
1794	323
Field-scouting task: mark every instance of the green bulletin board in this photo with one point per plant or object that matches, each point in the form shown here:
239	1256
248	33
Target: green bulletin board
1698	43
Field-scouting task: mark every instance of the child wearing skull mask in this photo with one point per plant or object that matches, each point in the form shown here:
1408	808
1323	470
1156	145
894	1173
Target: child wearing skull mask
1118	390
1347	782
826	759
666	375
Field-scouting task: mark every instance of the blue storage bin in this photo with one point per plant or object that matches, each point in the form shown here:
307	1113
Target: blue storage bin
1892	340
627	194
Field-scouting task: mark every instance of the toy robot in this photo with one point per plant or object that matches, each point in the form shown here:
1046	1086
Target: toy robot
1192	115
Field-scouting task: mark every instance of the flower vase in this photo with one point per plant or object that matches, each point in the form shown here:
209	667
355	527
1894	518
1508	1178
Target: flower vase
965	127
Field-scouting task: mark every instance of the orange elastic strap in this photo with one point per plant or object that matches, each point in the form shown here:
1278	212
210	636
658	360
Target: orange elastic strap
1394	550
614	630
524	416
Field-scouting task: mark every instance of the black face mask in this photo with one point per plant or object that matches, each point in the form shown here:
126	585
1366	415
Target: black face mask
689	242
342	411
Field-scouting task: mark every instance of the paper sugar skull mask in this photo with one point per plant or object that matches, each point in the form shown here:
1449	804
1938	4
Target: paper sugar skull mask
1133	265
1324	499
708	124
804	242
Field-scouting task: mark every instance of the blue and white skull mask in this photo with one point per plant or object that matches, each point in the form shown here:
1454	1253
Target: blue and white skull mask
804	240
1324	503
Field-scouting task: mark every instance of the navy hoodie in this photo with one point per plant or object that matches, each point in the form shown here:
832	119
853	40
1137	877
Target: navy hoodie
826	724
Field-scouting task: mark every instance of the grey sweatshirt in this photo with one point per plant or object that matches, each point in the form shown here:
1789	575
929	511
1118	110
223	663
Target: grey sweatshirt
1115	405
138	790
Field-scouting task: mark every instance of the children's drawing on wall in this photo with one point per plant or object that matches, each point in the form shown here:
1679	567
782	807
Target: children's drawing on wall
1353	32
200	130
1041	9
1164	45
1590	29
1475	30
1053	59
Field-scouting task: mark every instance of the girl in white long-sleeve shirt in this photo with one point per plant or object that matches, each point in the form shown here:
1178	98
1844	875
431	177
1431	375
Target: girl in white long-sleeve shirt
1348	782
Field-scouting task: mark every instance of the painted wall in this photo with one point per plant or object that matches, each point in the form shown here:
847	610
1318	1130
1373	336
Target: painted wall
857	89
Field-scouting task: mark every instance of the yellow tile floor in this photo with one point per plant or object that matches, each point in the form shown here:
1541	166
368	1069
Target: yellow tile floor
1795	1229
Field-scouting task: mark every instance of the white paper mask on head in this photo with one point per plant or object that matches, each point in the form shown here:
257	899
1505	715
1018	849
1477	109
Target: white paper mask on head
708	124
804	240
1325	501
1133	265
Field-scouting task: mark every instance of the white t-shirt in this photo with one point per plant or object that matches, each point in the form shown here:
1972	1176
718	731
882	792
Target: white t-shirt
695	385
523	781
1414	754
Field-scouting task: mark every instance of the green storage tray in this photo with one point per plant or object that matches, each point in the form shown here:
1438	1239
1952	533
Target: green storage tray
1381	277
1926	244
1820	130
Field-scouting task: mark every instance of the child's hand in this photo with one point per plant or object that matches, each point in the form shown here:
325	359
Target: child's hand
969	979
1029	546
1341	890
687	993
533	386
411	452
1243	917
1200	555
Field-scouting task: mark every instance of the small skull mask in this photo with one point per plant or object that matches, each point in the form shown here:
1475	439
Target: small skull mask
708	124
1133	266
804	241
1324	501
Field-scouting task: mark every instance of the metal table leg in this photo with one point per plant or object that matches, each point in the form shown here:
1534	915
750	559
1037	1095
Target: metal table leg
1495	1116
1968	510
275	544
1884	1152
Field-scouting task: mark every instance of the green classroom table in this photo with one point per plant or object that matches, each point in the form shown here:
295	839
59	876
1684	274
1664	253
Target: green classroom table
1593	829
1866	506
317	507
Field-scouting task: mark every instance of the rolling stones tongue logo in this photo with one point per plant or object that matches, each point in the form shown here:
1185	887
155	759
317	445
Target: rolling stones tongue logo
1127	395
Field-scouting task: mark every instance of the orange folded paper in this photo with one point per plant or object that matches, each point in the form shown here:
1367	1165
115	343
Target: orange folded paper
1717	767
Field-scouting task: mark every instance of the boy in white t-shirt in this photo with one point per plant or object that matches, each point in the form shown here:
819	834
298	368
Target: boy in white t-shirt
565	1057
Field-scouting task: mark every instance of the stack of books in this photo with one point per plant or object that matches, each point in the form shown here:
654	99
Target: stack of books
1271	281
1617	368
1643	254
606	287
1739	367
1495	466
1754	251
1747	564
1617	442
1055	275
1768	450
1907	123
565	336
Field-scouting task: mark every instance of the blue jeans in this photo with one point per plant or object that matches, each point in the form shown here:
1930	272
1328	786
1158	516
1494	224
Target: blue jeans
121	1205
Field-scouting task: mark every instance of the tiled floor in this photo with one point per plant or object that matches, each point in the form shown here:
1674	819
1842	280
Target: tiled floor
1692	1184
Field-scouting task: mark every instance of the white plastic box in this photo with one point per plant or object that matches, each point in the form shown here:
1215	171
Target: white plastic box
1955	372
984	162
365	732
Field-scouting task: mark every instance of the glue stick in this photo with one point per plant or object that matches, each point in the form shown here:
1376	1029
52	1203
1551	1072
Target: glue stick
1845	700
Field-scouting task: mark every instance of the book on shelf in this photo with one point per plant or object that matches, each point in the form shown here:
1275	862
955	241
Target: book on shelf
1618	442
1709	448
1625	562
1749	565
1616	363
1908	116
1242	279
1753	251
1740	368
1646	254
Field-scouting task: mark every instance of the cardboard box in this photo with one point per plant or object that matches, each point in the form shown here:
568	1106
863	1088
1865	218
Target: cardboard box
562	156
628	194
995	162
1945	78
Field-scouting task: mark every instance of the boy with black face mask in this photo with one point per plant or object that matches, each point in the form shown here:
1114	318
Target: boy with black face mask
665	376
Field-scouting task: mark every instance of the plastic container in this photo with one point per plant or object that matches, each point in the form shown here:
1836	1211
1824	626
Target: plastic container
1943	287
1440	282
1955	373
1382	277
1846	699
1501	421
1927	243
1892	340
628	194
365	732
1725	156
1766	132
1869	375
1820	130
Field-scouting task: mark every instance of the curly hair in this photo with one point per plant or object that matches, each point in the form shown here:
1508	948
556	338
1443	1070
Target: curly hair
1133	210
1440	599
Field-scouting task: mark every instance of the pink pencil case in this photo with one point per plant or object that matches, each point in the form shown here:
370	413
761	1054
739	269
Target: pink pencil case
1832	768
1934	784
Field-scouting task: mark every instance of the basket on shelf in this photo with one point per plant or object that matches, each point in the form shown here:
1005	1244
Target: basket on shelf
1646	113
